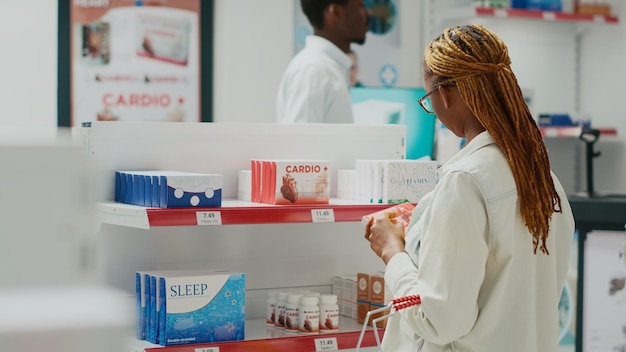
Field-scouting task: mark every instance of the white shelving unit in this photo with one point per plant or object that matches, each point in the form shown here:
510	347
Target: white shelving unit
544	46
278	247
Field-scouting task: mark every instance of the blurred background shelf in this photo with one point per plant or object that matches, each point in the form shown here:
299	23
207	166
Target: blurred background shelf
547	15
574	131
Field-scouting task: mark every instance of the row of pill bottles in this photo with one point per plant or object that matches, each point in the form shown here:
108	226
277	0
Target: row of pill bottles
303	312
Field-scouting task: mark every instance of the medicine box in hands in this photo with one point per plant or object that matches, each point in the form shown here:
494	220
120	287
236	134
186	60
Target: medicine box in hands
168	189
404	211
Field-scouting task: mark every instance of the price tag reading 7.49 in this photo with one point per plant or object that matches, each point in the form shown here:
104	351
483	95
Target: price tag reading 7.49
323	215
209	218
328	344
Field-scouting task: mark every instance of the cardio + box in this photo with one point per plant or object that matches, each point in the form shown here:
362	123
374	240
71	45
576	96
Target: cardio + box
299	182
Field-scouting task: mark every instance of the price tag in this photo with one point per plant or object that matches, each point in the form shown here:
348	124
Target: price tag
551	132
599	19
549	16
327	344
209	218
207	349
323	215
500	13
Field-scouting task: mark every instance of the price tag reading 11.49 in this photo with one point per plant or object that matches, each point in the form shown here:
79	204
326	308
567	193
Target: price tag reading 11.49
323	215
209	218
328	344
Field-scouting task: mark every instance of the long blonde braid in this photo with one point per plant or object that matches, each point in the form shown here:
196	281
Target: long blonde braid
476	60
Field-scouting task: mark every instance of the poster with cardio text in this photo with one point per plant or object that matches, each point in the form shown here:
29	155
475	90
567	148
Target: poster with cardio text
135	60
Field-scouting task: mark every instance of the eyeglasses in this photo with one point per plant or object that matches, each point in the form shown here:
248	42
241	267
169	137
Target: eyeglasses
425	101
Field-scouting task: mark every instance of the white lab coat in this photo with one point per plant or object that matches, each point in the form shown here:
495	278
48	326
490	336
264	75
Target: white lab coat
482	288
315	85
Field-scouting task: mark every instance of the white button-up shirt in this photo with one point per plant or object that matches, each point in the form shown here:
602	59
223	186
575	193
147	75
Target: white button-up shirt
481	286
314	88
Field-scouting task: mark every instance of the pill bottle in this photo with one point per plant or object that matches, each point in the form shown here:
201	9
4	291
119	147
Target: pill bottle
279	311
329	313
271	305
309	316
292	309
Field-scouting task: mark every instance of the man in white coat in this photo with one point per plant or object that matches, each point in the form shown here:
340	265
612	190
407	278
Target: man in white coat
315	85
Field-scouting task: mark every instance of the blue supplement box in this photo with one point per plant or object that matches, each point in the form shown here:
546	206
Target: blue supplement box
201	308
141	305
168	189
546	5
192	190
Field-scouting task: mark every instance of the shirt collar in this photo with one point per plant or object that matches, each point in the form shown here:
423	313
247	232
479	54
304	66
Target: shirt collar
481	140
317	42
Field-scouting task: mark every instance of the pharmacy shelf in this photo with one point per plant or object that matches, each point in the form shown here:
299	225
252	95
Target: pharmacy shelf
548	131
260	337
546	15
234	212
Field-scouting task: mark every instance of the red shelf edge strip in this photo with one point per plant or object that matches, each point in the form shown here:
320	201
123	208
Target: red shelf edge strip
556	131
301	343
260	215
540	15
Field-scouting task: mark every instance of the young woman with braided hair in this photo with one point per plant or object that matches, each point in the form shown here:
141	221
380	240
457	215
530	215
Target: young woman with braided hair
470	250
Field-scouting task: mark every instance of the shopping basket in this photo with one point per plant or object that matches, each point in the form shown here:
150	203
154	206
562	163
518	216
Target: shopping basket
393	306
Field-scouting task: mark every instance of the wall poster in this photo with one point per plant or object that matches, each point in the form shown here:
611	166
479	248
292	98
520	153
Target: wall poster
135	60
